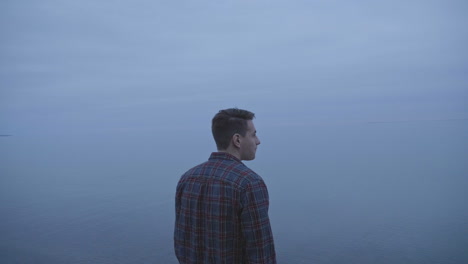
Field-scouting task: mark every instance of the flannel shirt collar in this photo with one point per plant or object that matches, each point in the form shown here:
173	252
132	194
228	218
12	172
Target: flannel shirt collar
223	156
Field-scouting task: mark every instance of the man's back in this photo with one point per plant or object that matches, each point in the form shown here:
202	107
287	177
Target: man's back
222	214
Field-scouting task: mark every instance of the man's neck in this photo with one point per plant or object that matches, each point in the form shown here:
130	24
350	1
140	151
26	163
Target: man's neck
231	151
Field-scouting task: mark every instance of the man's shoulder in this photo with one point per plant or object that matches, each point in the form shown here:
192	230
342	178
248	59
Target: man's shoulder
228	171
196	170
246	172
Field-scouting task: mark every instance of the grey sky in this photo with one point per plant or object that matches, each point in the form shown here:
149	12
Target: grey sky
123	63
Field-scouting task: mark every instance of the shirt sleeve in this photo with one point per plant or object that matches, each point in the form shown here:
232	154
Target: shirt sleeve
256	227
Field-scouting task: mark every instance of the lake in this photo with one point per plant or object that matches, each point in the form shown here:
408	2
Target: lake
388	192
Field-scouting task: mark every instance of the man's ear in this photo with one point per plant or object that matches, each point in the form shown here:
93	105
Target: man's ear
236	140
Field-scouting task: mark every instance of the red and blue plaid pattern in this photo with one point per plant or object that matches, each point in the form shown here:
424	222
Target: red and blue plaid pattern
222	214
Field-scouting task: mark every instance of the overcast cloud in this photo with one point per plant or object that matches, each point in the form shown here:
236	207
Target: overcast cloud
75	62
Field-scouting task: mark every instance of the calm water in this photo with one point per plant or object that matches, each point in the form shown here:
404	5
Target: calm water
340	193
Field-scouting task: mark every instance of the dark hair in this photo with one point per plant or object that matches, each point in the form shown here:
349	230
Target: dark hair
228	122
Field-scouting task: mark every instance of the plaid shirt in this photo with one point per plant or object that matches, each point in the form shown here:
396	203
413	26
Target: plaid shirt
222	215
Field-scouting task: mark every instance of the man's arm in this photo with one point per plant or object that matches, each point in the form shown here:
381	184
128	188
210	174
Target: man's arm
256	225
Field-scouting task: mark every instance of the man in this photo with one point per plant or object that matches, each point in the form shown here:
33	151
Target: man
221	205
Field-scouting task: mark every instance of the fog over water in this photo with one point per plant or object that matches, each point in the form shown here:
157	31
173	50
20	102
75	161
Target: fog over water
361	111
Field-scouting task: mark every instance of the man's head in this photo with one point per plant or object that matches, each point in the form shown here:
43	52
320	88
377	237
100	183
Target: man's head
234	132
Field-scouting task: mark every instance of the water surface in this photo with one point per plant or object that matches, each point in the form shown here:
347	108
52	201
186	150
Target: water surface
342	193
